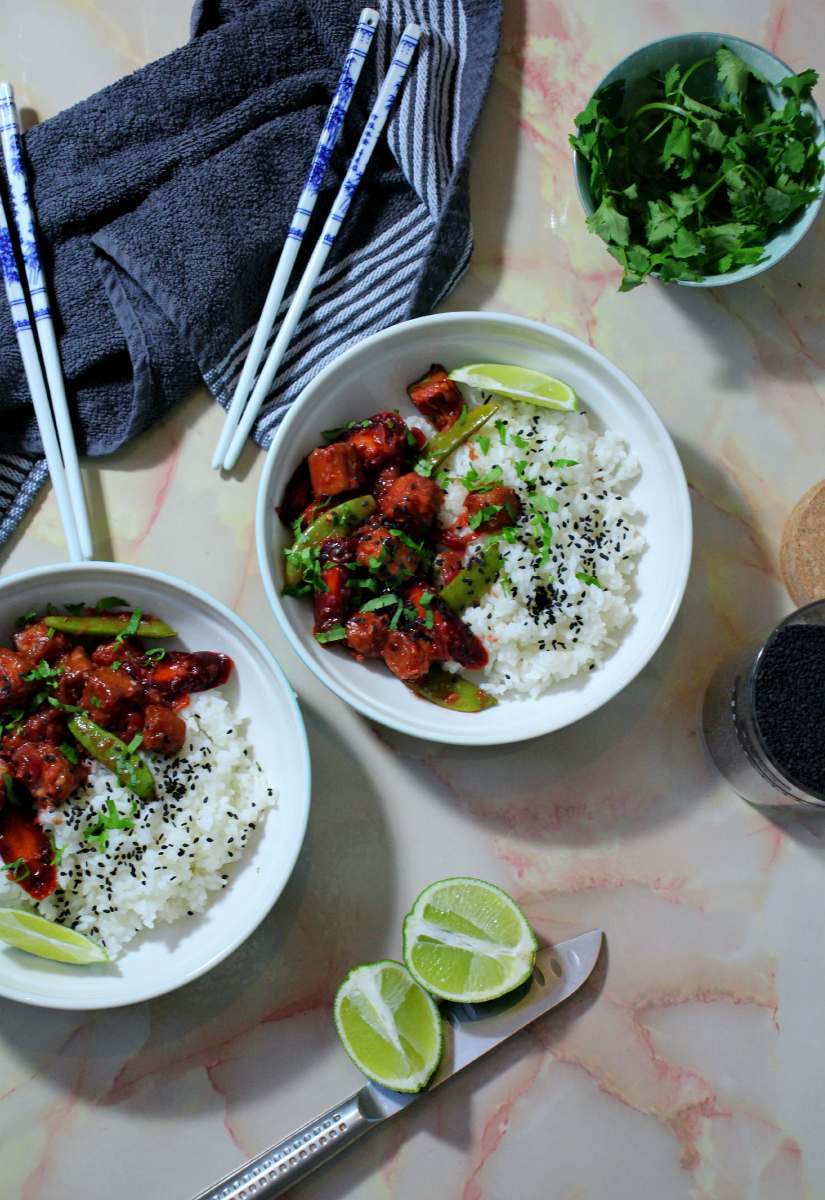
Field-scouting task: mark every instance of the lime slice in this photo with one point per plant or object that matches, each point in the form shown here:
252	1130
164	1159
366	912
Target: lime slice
467	940
389	1026
47	939
518	383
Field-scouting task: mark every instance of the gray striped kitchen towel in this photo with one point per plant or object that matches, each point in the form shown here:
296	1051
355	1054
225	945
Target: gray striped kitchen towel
163	203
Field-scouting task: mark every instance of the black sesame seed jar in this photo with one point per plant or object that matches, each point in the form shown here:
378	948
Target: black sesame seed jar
763	717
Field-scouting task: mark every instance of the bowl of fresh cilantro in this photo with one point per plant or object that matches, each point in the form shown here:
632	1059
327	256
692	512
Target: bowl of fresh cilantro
699	160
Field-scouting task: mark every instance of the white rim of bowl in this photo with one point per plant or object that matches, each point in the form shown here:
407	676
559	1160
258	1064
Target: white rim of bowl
808	214
282	435
245	630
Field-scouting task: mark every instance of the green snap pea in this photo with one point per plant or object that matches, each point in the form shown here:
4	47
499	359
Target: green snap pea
439	448
452	691
150	627
471	584
130	769
335	522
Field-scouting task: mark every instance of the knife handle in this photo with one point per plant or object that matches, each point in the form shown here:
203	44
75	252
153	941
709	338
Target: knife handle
283	1165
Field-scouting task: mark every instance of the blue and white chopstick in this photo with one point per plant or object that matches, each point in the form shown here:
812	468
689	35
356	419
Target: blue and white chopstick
369	138
24	220
37	387
350	72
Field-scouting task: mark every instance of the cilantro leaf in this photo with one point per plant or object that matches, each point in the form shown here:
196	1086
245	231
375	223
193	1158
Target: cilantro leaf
109	602
26	618
609	224
378	602
336	634
588	579
75	609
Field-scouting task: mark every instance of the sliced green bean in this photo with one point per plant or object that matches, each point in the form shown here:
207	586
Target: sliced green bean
149	627
130	769
474	581
452	691
335	522
439	448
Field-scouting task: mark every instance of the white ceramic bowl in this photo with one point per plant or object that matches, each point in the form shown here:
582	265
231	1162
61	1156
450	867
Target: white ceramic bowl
158	960
373	375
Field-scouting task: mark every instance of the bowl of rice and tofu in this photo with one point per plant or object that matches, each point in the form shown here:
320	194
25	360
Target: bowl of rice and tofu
474	528
154	784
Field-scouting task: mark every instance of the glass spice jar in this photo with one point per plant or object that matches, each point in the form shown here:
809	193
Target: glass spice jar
763	717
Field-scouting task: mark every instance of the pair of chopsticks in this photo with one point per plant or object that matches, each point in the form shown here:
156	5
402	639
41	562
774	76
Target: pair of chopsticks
239	419
58	444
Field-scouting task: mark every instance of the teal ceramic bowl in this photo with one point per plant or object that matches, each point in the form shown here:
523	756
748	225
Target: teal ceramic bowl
686	49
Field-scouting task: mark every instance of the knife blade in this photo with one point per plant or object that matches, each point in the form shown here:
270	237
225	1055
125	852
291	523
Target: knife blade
470	1030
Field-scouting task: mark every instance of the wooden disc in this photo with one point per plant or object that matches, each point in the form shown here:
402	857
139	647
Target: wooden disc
802	557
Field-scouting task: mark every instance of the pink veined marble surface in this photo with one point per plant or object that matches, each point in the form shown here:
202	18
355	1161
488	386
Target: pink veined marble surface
691	1065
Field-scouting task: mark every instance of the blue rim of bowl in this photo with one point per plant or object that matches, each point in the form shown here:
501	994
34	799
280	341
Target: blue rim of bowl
807	217
261	516
36	573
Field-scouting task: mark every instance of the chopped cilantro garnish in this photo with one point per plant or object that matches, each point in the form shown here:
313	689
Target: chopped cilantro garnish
411	440
135	742
26	618
336	634
502	432
588	579
14	867
75	609
44	671
396	616
462	420
520	468
492	477
10	794
106	823
430	619
509	534
484	442
157	654
519	441
565	462
544	503
486	513
110	602
379	602
423	468
96	702
58	854
69	751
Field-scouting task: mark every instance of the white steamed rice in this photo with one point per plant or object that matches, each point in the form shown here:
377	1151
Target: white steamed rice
210	799
540	624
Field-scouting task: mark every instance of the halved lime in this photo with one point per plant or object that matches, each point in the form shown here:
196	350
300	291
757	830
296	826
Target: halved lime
47	939
389	1026
518	383
467	940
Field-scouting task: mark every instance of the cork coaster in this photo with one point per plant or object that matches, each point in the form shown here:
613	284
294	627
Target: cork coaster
802	557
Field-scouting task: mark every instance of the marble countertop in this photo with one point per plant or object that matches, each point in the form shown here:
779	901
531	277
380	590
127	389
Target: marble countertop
691	1065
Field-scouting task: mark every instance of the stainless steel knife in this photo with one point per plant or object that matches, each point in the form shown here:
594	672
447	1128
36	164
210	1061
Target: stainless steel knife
470	1030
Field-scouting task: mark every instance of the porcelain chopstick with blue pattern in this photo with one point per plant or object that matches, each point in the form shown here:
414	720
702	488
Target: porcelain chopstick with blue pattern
369	138
24	220
350	72
37	387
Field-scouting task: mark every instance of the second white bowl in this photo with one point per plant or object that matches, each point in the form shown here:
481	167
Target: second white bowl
374	375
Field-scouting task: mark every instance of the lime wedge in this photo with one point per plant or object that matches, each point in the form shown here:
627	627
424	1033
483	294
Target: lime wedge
518	383
389	1026
47	939
467	940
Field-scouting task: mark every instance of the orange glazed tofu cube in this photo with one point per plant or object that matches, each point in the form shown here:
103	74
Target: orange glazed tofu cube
336	468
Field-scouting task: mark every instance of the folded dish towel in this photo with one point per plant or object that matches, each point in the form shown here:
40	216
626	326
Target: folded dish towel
163	203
